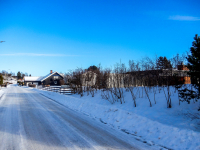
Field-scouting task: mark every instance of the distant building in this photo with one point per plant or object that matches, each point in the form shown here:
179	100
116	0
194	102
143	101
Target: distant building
88	78
53	79
186	79
150	77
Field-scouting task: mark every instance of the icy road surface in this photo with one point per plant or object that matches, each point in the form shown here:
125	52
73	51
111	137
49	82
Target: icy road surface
30	121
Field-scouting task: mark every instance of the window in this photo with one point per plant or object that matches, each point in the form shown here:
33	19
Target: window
55	77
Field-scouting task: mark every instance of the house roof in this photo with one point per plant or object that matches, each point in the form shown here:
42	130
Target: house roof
26	78
50	74
41	78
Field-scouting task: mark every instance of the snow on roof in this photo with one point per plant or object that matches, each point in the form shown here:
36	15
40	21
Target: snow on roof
26	78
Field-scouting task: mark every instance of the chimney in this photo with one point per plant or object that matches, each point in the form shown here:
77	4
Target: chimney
182	63
51	71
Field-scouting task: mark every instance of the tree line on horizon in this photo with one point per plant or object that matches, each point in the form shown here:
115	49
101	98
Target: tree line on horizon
134	75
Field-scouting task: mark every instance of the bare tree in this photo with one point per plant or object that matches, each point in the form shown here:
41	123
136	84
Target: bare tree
75	81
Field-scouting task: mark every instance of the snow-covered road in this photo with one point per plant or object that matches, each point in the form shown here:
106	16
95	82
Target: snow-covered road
29	120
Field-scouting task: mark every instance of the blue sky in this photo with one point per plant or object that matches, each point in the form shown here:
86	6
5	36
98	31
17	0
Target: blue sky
64	35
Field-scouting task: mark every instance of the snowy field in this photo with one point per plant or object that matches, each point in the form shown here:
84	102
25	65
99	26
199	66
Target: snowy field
2	89
171	128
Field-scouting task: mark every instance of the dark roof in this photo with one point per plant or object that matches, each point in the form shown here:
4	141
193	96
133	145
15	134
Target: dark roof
41	78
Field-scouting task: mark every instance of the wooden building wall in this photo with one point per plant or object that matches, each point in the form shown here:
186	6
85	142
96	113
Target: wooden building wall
51	80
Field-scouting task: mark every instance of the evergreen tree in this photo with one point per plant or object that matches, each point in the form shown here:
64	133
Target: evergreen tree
163	63
1	79
194	62
19	75
22	75
92	68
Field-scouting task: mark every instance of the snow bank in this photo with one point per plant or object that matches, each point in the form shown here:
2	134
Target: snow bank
1	93
173	128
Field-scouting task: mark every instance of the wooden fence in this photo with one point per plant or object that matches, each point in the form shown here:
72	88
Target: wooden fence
57	89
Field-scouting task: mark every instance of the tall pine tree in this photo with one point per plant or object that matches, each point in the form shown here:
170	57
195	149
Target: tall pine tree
194	62
1	79
163	63
19	76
